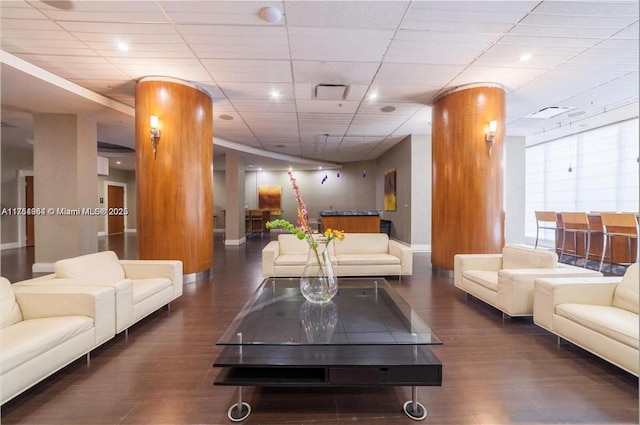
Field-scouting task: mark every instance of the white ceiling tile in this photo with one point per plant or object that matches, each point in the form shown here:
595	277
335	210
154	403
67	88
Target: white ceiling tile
226	70
579	22
232	33
350	14
26	34
17	10
560	32
546	40
234	90
35	24
389	92
260	105
327	106
316	72
219	12
338	49
227	51
417	75
406	51
591	8
117	27
484	16
270	117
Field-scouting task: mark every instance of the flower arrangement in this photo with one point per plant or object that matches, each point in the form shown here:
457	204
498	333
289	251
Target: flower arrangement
317	283
303	230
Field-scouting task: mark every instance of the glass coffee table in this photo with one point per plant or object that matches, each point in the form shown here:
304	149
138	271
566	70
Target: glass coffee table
366	336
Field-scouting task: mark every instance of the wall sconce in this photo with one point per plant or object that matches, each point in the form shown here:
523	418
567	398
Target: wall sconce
155	133
491	134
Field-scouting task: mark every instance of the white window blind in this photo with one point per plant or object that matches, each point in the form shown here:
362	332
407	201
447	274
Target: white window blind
596	170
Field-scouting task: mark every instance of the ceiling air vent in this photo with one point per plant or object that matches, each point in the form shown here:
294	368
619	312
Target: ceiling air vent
550	112
330	91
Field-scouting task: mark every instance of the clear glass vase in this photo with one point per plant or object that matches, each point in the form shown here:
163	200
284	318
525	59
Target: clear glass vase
318	283
319	321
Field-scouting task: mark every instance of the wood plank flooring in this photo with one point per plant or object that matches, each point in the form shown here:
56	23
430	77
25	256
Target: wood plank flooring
495	371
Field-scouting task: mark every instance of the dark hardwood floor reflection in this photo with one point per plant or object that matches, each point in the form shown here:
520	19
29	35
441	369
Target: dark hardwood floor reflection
495	371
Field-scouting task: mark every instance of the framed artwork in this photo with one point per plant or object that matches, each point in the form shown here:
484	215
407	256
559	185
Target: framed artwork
269	198
390	190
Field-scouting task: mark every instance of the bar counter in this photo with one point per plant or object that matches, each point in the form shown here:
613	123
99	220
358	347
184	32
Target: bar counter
358	221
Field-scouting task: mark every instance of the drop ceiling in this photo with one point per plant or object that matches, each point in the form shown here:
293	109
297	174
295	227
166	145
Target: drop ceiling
392	56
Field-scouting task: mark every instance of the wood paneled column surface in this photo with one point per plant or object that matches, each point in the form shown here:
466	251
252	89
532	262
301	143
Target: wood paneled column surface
467	179
175	185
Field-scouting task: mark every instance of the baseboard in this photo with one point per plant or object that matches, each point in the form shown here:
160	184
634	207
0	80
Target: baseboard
131	231
218	230
42	268
102	233
9	245
235	241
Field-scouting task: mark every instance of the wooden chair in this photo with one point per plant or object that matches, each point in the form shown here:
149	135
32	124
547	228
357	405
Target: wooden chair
546	220
575	223
620	225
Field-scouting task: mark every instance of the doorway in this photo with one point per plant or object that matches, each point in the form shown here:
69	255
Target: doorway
115	202
29	217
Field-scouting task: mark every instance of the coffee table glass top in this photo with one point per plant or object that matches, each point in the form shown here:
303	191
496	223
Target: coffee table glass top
366	311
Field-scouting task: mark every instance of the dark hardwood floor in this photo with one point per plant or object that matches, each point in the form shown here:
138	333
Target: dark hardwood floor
495	371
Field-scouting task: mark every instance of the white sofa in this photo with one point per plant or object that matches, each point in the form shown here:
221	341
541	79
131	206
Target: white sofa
46	328
505	281
597	314
142	286
359	254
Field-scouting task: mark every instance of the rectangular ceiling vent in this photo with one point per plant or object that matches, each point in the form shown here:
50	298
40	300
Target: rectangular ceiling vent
550	112
330	91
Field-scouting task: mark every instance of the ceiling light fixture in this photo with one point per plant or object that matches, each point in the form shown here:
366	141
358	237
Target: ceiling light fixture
225	117
388	108
525	57
123	46
271	14
275	95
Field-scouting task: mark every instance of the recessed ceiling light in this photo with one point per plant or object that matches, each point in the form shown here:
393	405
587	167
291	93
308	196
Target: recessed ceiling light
525	57
373	96
118	162
275	94
388	108
225	117
123	46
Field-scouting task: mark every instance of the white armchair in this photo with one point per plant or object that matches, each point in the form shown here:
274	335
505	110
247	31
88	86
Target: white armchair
505	281
142	286
598	314
44	328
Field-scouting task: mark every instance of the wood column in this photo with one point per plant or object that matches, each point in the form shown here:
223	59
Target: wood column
175	185
467	179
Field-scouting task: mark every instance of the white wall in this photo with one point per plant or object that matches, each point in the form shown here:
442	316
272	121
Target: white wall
515	189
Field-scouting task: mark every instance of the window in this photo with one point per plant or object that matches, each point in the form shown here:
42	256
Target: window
596	170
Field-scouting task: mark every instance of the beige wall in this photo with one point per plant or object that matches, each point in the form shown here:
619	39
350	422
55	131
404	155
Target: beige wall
13	160
68	182
350	191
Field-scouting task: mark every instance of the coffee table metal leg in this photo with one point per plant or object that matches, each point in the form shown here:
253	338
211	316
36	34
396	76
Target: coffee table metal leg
241	410
412	408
